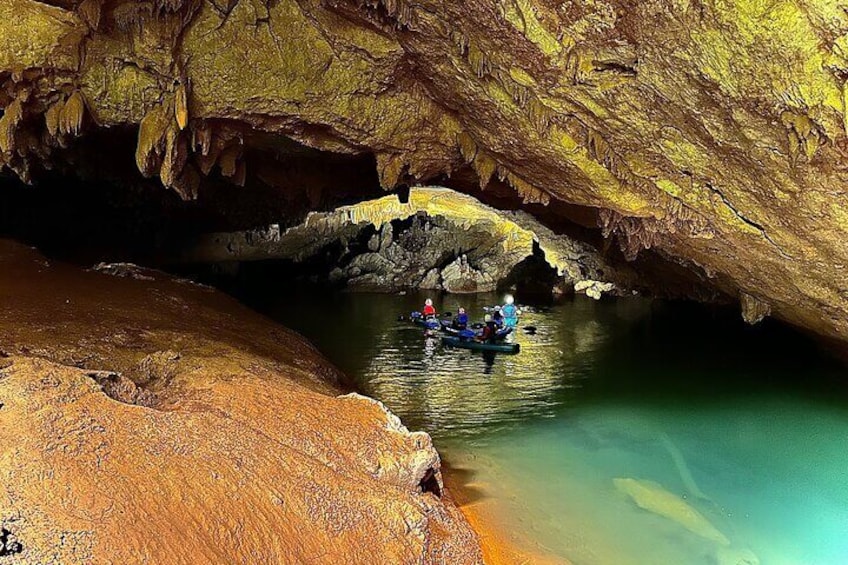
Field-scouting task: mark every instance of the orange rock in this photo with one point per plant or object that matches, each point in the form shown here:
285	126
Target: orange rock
167	446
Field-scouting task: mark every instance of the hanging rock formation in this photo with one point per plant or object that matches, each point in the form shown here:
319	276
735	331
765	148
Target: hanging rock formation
711	131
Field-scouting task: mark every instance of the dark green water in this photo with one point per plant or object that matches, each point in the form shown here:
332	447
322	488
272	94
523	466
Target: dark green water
748	427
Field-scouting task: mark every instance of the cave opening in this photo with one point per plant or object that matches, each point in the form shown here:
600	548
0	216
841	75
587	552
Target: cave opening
90	204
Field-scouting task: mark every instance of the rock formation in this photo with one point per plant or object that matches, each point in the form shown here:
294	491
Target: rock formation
155	421
438	239
711	131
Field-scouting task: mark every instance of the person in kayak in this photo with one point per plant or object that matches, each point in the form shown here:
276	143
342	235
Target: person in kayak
510	312
429	311
461	320
490	331
497	317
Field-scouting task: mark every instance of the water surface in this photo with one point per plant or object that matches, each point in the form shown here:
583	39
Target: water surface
748	427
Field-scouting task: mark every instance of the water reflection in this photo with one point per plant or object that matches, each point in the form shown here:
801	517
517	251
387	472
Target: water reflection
458	391
617	418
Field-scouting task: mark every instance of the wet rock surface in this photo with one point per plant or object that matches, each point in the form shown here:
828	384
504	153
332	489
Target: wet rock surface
153	421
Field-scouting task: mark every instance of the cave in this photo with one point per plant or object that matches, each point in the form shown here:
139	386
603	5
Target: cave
222	220
97	205
91	205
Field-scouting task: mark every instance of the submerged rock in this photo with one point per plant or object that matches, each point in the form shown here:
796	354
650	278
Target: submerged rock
652	497
148	421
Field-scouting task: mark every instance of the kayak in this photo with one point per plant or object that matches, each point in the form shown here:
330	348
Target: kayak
500	334
452	341
428	323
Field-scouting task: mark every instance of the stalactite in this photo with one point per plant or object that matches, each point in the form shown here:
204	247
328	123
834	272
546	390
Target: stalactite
467	146
633	234
754	310
529	193
12	116
402	11
485	167
540	115
90	11
519	93
207	161
171	5
479	61
52	116
599	149
181	106
131	15
201	136
170	168
228	162
187	184
460	40
72	114
151	137
389	167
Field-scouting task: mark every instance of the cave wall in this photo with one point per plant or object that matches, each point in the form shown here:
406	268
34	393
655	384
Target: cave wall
710	130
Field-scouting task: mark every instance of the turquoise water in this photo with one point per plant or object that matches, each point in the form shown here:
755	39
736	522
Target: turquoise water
733	441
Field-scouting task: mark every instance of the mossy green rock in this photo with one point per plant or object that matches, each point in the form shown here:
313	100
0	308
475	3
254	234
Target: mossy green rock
712	131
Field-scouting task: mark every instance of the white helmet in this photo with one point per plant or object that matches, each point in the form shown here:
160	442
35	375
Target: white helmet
428	302
487	318
509	299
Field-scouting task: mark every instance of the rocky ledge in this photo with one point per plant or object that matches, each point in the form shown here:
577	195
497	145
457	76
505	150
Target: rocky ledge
145	419
437	240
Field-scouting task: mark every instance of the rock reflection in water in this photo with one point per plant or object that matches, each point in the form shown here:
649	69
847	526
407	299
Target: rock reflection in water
624	432
456	391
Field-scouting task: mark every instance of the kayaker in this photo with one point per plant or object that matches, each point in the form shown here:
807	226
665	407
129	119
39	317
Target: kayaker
490	330
461	320
510	312
497	317
429	311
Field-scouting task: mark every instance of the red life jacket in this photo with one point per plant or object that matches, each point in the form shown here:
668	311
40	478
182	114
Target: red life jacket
429	311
